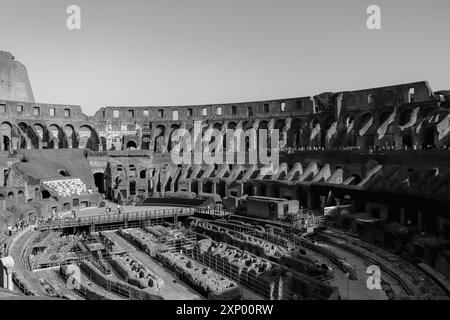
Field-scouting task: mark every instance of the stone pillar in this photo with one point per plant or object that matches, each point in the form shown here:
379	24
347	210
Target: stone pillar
6	270
214	187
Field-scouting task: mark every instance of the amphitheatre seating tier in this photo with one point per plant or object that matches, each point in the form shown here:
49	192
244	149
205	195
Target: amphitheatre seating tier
67	187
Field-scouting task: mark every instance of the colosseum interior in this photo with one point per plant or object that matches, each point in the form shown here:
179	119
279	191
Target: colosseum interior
93	207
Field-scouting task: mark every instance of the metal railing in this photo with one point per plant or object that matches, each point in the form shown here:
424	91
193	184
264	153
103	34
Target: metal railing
115	218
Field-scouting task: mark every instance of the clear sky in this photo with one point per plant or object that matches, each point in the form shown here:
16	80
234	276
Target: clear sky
166	52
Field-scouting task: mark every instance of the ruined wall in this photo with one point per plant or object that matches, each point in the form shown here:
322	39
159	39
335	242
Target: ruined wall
14	82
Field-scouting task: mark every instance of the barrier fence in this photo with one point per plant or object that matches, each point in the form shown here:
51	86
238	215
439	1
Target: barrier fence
115	218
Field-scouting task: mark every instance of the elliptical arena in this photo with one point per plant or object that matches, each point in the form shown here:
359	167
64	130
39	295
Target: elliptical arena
92	207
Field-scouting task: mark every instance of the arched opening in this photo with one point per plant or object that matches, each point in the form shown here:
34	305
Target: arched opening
388	141
28	131
404	118
279	125
64	173
45	194
55	137
99	178
217	127
116	143
159	139
429	135
350	131
70	140
230	126
142	174
41	132
220	189
132	188
170	144
314	138
207	187
5	134
383	117
324	132
88	138
364	125
131	145
294	137
6	144
194	186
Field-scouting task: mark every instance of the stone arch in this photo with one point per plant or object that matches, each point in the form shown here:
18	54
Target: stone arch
295	133
364	124
263	125
404	116
350	131
387	139
428	128
384	115
230	126
71	140
159	138
41	131
131	145
6	134
325	126
406	135
172	130
314	137
88	138
116	143
55	137
29	134
216	126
